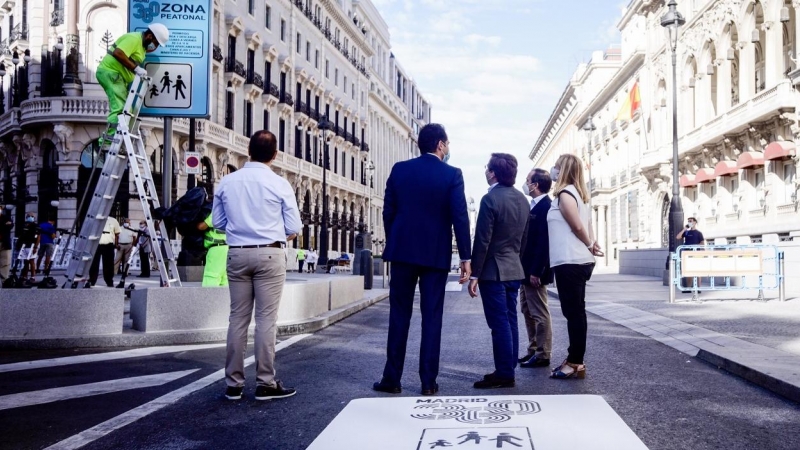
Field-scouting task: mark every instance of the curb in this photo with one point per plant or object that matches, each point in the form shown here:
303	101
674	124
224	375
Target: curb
757	377
132	338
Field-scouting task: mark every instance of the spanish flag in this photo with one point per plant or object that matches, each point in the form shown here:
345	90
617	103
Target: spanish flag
632	103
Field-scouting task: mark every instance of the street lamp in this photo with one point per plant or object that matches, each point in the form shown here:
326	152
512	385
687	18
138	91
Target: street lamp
589	128
672	20
2	92
15	80
325	126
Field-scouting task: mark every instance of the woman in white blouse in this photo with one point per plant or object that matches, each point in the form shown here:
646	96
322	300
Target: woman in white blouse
572	252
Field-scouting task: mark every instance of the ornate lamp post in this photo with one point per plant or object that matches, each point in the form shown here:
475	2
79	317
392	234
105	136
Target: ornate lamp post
325	126
2	92
673	20
15	81
589	128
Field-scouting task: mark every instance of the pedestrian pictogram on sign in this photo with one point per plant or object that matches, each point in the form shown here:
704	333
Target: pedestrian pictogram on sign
487	438
173	88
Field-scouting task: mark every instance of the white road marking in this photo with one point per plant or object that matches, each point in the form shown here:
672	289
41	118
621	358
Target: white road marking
97	357
100	430
86	390
453	286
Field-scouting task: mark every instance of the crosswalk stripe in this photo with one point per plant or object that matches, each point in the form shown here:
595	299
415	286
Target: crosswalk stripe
115	423
86	390
97	357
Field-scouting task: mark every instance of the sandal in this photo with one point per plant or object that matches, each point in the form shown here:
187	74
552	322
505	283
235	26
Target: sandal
569	370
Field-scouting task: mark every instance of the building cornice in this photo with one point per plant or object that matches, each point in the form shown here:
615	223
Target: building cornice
348	26
391	111
623	76
561	106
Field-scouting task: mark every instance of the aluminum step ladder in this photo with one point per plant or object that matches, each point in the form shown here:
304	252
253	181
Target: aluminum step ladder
124	150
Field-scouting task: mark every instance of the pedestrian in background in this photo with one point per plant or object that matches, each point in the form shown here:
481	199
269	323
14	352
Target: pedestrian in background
690	236
127	236
424	202
257	210
301	259
47	247
108	242
6	225
572	252
145	248
29	238
500	234
311	260
536	264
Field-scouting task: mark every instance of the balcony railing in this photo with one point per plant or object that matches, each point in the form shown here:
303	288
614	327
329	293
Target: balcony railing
235	66
339	131
287	99
57	17
255	79
273	90
217	55
301	107
19	32
348	136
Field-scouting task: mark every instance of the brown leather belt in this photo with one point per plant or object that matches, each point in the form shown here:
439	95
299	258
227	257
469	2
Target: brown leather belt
273	245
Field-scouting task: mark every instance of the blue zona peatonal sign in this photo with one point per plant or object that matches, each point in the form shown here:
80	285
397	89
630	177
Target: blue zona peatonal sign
180	70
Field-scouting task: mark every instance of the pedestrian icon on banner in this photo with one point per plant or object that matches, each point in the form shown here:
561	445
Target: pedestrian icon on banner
173	88
481	438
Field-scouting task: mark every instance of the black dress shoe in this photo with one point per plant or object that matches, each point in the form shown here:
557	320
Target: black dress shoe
525	358
492	381
535	362
430	391
380	386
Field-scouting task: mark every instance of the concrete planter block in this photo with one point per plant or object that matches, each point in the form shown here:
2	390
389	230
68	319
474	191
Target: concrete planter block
180	308
303	300
191	273
346	290
34	313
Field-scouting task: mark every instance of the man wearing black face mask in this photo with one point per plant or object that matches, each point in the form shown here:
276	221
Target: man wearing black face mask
691	236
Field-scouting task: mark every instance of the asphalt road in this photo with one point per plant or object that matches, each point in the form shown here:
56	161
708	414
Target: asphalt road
671	401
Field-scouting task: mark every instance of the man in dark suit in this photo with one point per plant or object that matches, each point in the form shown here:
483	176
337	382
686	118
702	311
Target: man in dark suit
536	263
497	269
424	202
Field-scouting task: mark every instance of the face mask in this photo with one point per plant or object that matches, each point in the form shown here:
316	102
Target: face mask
151	47
29	219
142	227
554	172
690	225
526	190
446	157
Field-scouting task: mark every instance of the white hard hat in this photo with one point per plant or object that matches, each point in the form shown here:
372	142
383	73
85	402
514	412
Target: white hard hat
160	32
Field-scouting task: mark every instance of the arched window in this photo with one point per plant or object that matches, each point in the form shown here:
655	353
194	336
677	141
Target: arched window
759	39
48	181
207	175
87	182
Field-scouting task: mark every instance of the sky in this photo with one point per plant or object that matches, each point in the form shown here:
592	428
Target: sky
494	70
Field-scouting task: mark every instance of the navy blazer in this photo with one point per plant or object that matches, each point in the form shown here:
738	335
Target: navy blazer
536	255
424	202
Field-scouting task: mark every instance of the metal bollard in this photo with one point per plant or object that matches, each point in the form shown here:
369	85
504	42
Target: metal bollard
672	278
366	268
782	275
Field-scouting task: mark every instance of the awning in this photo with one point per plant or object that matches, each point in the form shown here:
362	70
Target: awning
779	150
750	159
704	175
724	168
688	181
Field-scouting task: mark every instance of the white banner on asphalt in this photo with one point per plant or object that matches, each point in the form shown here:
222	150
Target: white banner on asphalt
518	422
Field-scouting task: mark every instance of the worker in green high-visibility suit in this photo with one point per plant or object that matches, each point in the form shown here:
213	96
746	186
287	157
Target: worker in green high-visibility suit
216	270
119	67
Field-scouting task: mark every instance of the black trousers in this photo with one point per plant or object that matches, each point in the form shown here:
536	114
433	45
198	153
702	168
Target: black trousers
144	259
432	283
571	285
106	253
300	264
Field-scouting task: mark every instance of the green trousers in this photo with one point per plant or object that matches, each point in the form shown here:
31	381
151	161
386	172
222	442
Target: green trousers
116	91
216	271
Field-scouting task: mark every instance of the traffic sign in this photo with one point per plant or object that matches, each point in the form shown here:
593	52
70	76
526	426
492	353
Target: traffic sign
181	69
192	161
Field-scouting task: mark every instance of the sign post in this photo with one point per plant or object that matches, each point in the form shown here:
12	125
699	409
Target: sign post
180	70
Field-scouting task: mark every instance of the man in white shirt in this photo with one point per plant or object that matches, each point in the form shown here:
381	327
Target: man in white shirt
126	237
109	241
257	210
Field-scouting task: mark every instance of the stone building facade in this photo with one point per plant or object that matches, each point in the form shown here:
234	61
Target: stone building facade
277	64
737	125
